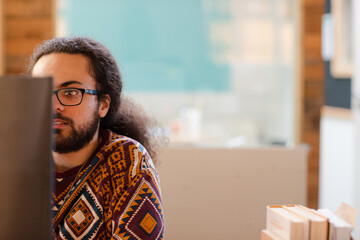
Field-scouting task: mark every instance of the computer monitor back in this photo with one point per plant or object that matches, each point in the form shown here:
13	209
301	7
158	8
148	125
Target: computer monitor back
25	157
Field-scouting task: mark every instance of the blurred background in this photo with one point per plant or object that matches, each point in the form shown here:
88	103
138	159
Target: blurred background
213	72
226	75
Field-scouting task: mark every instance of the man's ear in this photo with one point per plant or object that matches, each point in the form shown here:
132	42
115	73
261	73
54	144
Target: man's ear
104	105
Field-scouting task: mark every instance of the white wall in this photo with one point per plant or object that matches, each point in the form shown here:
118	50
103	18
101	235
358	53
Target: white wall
340	138
356	109
336	180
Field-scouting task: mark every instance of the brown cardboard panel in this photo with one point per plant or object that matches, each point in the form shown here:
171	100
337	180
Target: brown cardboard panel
15	64
314	89
21	46
37	27
314	71
28	8
312	42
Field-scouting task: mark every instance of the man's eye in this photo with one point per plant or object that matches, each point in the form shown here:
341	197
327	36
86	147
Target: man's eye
71	93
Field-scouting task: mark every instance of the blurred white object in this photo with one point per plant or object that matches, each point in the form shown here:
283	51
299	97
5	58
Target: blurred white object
339	228
187	128
327	37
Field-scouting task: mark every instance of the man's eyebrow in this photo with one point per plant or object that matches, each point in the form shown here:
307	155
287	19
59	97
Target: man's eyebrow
65	84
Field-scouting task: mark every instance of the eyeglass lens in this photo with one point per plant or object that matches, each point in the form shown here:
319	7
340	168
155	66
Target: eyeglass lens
70	96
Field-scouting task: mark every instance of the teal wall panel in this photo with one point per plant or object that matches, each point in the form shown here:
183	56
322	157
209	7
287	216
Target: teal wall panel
159	45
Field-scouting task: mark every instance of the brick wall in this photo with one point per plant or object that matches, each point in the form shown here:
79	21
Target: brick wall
26	23
312	80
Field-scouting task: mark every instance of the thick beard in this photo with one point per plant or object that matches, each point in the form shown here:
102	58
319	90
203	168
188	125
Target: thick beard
77	138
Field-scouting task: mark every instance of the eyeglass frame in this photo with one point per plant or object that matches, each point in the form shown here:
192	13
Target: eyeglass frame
82	90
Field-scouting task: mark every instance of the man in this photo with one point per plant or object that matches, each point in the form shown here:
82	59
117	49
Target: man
106	184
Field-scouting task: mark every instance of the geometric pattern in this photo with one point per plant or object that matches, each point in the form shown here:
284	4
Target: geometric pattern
85	217
121	182
79	218
143	217
148	223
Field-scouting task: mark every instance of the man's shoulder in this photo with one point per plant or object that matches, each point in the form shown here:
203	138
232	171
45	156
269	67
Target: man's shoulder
123	148
115	142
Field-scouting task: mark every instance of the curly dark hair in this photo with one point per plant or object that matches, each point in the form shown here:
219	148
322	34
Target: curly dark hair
124	117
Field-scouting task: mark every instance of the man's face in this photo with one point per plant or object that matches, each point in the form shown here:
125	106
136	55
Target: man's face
74	126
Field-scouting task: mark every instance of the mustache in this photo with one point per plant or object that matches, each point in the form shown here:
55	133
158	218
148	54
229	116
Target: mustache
61	117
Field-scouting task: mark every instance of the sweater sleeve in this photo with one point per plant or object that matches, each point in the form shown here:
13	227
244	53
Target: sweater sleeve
138	213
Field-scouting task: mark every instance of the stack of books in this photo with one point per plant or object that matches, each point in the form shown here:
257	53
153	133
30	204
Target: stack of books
296	222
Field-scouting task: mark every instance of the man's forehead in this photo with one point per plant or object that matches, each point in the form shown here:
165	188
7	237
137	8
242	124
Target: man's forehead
71	82
60	56
66	69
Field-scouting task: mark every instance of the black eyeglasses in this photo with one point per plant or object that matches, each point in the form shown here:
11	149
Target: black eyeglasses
72	96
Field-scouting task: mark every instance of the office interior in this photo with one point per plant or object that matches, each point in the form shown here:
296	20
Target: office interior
259	99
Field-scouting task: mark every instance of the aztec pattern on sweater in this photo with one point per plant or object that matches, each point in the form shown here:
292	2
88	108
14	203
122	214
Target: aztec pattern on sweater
116	195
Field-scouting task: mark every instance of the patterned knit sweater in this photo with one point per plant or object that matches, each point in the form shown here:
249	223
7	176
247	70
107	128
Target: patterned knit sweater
115	195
